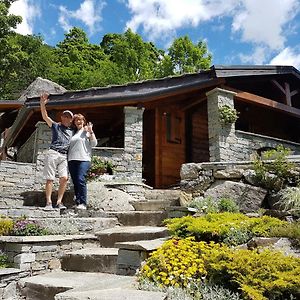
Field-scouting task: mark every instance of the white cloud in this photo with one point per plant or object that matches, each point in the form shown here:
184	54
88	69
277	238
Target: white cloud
258	57
89	13
28	10
287	57
263	22
159	18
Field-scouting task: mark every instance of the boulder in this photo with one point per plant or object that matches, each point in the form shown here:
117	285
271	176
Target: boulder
108	199
249	198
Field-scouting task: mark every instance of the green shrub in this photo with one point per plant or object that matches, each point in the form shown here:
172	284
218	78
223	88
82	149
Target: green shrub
259	275
227	204
6	225
232	228
4	262
289	230
210	205
290	200
273	171
205	205
24	227
227	114
99	167
194	291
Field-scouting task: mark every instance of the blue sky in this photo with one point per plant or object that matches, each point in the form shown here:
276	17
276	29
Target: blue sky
236	31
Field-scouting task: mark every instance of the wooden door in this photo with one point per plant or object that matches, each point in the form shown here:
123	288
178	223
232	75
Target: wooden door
170	145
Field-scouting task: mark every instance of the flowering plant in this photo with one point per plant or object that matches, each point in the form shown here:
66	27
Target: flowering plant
24	227
99	167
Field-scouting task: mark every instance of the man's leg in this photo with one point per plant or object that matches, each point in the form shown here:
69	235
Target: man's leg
49	186
61	189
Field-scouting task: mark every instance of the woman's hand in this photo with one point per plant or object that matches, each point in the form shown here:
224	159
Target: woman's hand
89	127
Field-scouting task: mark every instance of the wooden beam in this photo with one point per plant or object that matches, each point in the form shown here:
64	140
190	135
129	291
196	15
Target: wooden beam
265	102
288	94
192	104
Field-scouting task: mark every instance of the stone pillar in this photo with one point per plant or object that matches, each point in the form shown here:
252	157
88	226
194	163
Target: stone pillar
133	142
42	142
221	136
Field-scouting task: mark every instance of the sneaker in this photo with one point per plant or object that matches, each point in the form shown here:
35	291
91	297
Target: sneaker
81	206
48	207
60	206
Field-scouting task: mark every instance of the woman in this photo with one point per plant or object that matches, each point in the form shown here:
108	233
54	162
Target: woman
79	157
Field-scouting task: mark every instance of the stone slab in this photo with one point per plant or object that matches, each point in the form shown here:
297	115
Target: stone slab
46	286
144	245
112	294
45	238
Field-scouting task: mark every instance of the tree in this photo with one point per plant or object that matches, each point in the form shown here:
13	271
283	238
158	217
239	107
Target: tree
76	60
187	57
136	59
9	53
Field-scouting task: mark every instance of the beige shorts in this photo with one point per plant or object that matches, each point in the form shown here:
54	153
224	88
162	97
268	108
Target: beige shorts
55	162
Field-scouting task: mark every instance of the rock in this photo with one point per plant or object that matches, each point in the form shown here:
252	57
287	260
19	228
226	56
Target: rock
249	198
249	176
185	198
228	174
189	171
108	199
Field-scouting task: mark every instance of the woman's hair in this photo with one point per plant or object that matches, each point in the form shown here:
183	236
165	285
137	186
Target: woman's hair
79	116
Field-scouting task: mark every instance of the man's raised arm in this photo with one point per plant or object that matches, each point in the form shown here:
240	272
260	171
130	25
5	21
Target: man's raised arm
43	101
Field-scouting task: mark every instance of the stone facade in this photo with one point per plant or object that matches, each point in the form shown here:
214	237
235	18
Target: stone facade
27	173
228	144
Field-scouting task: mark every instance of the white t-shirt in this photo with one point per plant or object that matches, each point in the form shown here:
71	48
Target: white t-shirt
81	146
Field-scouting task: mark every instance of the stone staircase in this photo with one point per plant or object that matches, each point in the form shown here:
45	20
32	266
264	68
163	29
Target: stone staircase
119	242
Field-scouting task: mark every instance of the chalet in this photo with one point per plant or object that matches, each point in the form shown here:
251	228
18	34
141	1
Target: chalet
149	129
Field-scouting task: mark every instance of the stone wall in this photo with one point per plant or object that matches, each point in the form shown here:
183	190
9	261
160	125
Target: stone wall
15	180
38	254
228	144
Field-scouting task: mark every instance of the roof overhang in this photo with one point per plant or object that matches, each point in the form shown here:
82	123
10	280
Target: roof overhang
265	102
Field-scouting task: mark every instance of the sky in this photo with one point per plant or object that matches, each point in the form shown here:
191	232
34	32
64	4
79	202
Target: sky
237	32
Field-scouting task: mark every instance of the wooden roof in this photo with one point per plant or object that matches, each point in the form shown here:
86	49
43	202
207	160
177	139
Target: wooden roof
268	82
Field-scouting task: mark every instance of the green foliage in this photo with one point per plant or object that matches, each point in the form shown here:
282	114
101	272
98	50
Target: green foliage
227	114
187	57
259	275
290	200
25	227
209	205
4	262
194	291
273	171
232	228
99	167
6	225
289	230
205	205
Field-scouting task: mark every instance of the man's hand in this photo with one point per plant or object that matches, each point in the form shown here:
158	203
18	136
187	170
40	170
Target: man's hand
44	98
43	101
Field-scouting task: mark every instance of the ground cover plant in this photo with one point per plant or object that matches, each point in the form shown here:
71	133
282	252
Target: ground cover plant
257	275
230	228
202	256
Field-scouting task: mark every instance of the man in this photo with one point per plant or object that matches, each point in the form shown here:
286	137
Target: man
56	158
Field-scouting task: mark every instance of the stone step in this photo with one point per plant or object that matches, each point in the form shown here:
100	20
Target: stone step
140	218
91	260
29	211
75	225
157	194
108	237
154	205
112	294
46	286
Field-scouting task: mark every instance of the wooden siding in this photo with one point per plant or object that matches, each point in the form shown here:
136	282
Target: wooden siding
197	132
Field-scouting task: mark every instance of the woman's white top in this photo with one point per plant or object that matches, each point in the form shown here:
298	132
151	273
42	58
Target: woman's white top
81	146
